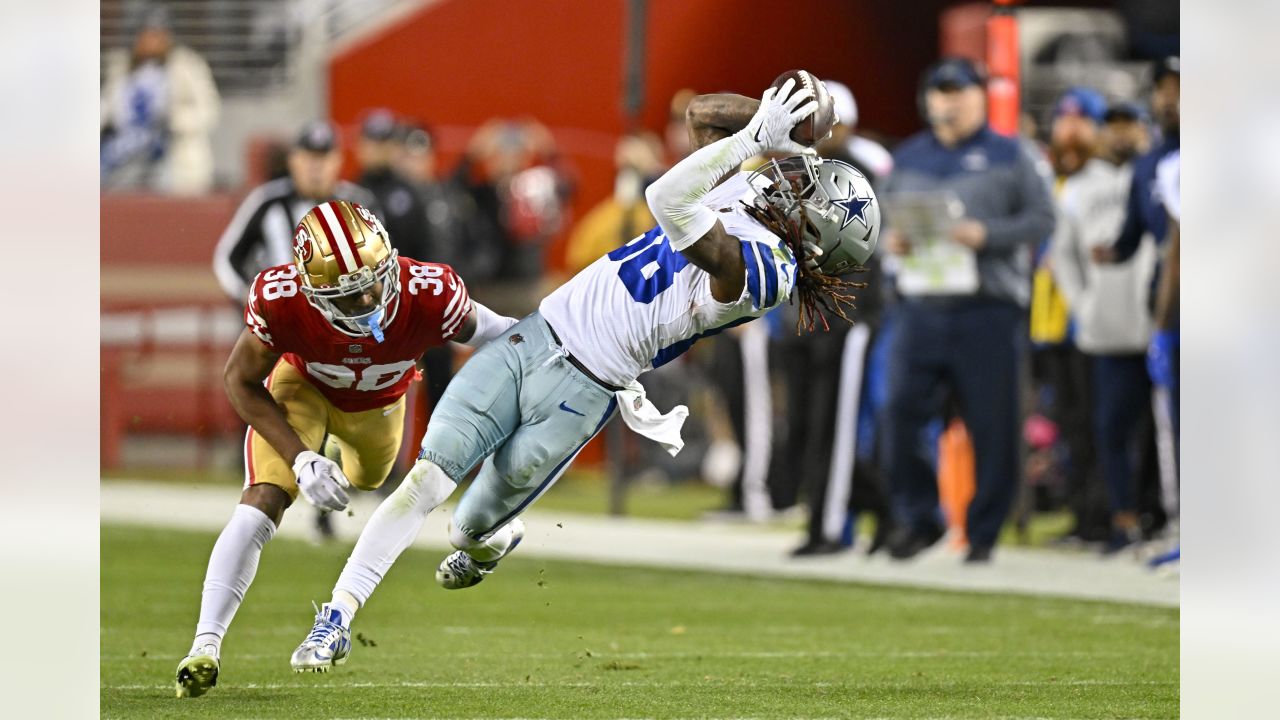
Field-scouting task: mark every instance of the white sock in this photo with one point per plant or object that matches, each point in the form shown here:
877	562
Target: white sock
203	640
392	528
232	565
346	604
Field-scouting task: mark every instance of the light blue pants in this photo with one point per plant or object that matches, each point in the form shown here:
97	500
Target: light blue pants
523	408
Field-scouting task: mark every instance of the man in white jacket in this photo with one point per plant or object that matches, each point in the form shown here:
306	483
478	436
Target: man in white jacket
159	108
1109	304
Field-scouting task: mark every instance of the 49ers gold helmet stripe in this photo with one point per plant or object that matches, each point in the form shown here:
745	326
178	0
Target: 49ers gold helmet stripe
339	236
353	226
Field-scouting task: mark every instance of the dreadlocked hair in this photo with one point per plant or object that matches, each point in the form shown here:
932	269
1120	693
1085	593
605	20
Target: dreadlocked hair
819	294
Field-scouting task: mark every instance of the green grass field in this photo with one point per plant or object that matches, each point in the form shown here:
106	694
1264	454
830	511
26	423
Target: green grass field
545	639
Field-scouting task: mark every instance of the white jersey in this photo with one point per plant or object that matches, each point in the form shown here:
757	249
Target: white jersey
644	304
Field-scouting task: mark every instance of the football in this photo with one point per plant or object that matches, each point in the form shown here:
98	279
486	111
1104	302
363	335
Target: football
816	126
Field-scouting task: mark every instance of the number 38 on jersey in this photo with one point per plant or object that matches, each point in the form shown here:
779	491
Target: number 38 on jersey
356	372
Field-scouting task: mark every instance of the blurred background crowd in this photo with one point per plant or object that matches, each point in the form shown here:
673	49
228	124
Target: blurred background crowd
1043	385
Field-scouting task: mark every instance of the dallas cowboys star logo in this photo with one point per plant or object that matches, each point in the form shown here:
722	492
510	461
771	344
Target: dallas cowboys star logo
854	207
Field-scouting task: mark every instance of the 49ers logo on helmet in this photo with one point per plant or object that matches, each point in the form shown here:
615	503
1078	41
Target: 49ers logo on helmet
369	219
303	244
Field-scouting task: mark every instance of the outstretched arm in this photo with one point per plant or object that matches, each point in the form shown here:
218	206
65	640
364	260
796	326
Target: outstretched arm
715	117
709	119
675	198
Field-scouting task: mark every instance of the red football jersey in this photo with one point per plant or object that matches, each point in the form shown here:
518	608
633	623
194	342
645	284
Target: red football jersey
358	373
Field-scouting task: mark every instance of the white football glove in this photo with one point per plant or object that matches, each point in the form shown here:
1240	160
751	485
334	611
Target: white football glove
321	481
770	128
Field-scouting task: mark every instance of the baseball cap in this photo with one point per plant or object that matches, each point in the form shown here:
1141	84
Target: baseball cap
953	73
379	124
416	137
317	136
1081	101
1123	110
154	17
842	98
1170	65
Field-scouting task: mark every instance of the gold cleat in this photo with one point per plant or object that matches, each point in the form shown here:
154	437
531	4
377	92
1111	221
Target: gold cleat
197	673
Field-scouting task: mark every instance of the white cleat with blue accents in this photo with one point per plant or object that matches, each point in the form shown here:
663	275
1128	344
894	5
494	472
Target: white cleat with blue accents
460	570
328	644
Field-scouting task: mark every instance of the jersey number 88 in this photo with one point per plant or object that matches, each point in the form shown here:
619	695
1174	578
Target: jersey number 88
631	270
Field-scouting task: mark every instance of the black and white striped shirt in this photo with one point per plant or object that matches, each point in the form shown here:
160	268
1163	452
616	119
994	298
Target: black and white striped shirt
260	234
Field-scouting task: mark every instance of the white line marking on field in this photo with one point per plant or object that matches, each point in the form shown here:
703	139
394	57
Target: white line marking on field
736	717
755	682
745	654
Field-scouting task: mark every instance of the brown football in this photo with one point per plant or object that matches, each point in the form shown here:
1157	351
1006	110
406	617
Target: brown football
816	126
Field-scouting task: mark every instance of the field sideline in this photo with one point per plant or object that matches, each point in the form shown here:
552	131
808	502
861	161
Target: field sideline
752	549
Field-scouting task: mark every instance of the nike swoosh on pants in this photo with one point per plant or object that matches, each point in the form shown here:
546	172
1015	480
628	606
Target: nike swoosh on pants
566	408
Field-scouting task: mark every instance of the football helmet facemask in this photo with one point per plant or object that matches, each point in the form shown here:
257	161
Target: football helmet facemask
830	201
343	253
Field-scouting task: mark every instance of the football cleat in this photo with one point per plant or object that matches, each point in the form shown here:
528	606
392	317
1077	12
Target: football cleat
197	672
460	570
327	645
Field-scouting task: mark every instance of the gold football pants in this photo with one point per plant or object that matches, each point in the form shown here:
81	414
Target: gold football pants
369	440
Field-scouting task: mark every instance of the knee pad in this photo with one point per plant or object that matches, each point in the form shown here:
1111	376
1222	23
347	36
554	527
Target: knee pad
460	540
493	547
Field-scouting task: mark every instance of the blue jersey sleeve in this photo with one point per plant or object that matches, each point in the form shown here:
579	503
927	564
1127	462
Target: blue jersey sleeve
770	272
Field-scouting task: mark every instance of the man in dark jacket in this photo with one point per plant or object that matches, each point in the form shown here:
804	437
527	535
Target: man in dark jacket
403	213
962	345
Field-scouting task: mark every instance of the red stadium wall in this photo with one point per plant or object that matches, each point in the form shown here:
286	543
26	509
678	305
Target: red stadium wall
156	257
455	64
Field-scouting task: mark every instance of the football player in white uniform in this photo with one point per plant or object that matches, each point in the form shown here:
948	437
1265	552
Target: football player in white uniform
725	251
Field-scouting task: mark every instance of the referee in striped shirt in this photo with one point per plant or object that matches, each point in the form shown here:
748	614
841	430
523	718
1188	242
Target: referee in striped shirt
260	234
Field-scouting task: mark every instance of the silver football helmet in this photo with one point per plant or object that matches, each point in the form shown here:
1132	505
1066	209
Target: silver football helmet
830	201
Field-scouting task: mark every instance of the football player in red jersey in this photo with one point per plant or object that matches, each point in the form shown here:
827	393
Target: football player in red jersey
335	335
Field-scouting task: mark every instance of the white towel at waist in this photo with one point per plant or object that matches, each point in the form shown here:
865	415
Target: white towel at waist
641	416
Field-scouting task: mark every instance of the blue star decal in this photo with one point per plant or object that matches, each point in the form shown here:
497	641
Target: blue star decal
854	207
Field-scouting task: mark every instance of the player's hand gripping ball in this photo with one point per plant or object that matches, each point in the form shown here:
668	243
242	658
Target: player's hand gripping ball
818	125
